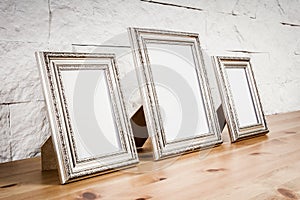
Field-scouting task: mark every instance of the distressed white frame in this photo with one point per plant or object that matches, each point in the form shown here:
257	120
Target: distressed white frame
236	131
161	148
69	166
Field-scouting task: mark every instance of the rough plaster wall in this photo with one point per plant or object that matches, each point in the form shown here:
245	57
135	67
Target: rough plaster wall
266	30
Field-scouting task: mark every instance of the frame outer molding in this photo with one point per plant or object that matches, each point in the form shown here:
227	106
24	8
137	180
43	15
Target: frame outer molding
49	103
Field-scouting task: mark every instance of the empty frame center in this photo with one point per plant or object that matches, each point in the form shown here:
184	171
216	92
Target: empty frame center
178	92
90	111
242	97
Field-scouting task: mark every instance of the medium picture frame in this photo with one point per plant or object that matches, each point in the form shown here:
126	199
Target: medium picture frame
177	101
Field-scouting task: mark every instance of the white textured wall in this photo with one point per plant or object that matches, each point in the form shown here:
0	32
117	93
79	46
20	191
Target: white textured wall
266	30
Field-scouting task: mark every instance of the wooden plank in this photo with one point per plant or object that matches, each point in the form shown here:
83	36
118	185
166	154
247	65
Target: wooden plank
265	167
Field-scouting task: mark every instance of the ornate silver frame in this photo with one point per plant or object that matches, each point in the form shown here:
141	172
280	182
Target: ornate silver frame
236	131
69	166
162	148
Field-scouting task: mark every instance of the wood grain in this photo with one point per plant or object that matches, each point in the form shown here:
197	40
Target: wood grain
266	167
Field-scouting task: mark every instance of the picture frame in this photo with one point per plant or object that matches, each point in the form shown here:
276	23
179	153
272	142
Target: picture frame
181	92
90	129
240	99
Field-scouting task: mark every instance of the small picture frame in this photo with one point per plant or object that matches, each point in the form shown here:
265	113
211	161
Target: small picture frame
240	99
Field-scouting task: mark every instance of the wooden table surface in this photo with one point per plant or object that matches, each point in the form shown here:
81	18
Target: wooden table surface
266	167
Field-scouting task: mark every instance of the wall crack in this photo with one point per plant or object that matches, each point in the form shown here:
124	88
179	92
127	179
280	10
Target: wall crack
290	24
49	19
172	4
9	133
15	102
280	7
232	11
101	45
245	51
240	36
